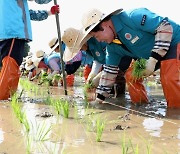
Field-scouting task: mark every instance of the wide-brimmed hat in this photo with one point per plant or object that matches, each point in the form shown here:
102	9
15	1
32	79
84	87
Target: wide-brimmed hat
37	57
73	39
93	17
29	64
53	44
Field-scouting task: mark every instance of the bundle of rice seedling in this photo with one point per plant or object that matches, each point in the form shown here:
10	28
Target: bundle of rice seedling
138	67
46	79
56	79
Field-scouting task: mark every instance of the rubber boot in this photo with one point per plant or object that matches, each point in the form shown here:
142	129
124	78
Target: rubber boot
136	88
170	80
86	72
70	80
9	77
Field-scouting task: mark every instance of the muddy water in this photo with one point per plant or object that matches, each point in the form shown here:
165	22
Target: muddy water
151	128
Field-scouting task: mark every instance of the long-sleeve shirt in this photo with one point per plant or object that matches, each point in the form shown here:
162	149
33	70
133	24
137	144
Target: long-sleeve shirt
15	19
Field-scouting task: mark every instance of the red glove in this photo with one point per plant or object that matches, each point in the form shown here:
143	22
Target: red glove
55	9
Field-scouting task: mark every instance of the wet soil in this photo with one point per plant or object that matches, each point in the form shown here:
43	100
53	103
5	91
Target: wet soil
151	128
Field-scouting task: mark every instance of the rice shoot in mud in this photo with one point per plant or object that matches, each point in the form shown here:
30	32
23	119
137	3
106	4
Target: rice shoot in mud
54	123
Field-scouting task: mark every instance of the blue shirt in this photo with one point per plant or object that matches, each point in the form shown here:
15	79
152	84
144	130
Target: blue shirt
15	19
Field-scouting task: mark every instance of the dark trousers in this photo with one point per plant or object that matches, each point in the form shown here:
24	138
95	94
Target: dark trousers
17	50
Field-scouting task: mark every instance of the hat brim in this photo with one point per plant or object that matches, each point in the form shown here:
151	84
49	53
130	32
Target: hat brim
94	25
36	61
53	48
29	67
71	52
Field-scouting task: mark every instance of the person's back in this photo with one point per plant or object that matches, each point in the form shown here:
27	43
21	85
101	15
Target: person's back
15	31
15	20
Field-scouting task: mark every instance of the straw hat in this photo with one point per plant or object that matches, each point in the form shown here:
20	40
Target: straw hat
39	55
53	44
73	39
92	18
29	64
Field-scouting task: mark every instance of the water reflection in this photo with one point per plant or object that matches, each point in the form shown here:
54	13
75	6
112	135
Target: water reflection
78	142
153	126
178	135
1	135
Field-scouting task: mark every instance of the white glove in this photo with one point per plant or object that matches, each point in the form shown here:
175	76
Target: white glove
150	66
90	77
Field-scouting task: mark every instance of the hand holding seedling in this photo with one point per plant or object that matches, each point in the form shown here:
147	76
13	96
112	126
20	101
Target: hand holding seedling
139	67
150	67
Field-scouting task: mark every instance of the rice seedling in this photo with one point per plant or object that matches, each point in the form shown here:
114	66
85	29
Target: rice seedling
148	144
86	88
80	73
90	122
29	140
41	131
17	108
25	122
127	145
56	78
65	108
48	100
138	68
19	113
29	87
100	125
137	149
44	78
56	104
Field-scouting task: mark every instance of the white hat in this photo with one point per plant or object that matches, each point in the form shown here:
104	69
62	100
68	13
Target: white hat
30	53
92	18
39	55
29	64
53	44
72	38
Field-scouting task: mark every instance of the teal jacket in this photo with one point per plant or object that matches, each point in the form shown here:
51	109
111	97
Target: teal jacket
15	19
136	29
97	50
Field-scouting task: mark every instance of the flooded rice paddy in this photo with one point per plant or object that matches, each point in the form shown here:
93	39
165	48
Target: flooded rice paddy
36	126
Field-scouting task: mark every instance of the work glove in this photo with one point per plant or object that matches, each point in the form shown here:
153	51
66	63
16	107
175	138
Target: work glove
54	9
90	78
150	67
